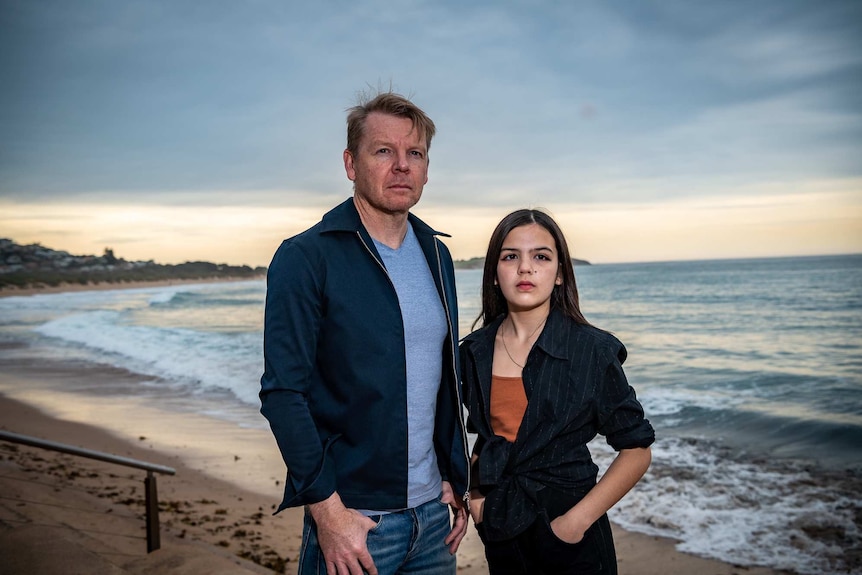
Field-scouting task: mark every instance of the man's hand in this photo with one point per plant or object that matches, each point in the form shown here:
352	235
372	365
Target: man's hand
459	522
342	534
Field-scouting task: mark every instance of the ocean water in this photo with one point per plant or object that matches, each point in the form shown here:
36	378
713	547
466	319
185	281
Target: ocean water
750	371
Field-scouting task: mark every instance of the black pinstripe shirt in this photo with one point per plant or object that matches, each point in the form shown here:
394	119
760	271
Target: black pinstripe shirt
576	389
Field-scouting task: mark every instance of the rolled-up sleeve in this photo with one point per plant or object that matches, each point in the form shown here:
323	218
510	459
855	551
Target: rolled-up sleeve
621	416
292	322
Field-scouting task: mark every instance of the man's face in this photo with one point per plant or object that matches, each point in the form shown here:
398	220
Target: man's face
390	168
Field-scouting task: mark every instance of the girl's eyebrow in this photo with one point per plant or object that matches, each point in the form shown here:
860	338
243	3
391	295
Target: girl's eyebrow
538	249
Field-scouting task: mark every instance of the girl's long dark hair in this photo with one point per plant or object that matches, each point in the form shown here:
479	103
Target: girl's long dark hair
564	297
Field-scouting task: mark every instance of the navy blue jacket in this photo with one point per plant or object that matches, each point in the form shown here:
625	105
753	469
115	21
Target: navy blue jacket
334	382
575	388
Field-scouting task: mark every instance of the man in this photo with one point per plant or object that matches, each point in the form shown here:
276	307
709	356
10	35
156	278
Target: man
361	381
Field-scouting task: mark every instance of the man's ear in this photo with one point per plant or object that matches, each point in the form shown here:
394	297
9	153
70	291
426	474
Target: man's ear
348	166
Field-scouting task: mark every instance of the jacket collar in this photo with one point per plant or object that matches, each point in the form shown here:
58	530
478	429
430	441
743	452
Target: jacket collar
551	340
345	218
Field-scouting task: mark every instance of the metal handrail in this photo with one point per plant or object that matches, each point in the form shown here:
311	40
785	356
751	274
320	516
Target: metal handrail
151	500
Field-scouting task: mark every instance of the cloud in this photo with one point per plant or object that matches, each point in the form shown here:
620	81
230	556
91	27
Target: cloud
156	103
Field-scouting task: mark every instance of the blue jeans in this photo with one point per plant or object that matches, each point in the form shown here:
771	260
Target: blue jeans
402	543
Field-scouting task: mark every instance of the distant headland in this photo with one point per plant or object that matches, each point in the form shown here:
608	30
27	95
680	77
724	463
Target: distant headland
35	266
479	263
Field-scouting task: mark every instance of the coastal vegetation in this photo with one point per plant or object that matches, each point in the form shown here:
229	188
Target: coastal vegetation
33	265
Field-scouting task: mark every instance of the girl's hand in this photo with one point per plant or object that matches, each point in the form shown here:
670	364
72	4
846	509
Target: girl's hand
477	506
626	469
567	530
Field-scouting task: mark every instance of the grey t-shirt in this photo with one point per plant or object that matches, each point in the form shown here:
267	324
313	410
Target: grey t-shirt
424	336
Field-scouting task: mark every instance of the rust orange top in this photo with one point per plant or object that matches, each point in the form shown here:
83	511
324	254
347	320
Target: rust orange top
508	404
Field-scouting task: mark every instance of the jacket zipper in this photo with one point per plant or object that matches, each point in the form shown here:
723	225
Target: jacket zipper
373	257
458	408
458	412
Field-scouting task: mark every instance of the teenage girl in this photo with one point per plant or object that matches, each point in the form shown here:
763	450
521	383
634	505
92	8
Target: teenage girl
540	382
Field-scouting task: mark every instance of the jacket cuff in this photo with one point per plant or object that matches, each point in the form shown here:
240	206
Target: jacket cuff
314	489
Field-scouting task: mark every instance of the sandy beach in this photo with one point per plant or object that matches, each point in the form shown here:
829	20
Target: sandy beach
227	482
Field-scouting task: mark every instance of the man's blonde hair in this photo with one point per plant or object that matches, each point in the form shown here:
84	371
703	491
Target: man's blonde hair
386	103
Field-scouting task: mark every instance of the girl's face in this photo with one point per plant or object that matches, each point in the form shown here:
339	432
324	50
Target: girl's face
528	268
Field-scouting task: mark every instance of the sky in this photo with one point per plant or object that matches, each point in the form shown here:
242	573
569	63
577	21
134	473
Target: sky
658	130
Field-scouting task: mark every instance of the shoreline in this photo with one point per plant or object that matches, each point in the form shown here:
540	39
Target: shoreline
106	286
218	470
